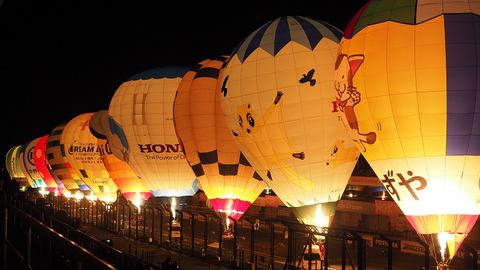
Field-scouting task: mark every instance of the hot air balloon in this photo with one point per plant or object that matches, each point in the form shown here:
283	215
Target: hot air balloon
276	95
84	153
406	87
144	134
40	161
27	165
227	178
122	175
61	168
13	167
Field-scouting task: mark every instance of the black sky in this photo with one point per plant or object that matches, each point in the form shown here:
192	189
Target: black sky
62	58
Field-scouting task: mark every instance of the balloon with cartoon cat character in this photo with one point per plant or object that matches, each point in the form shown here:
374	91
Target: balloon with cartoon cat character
277	95
407	89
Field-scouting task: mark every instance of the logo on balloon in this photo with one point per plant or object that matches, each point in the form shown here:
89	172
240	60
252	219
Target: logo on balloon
162	148
30	156
89	148
89	153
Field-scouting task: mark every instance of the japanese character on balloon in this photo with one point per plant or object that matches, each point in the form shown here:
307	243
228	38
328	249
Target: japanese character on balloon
389	180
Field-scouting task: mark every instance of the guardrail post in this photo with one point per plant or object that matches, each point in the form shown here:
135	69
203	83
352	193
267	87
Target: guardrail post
4	237
129	221
252	239
205	235
96	214
426	256
180	214
170	229
152	235
272	246
326	251
136	222
161	227
192	232
474	258
235	236
361	253
390	255
123	217
144	221
220	234
79	265
28	255
310	252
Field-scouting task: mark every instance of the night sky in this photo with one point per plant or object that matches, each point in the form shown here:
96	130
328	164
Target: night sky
59	59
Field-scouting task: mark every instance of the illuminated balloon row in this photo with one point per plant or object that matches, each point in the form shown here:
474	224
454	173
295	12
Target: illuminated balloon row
294	105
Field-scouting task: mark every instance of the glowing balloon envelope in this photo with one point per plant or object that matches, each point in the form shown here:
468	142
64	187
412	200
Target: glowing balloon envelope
84	153
126	180
406	85
28	165
43	169
277	94
227	178
144	134
62	169
13	166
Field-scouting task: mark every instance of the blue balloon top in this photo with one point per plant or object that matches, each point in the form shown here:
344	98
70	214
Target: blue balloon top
159	73
274	35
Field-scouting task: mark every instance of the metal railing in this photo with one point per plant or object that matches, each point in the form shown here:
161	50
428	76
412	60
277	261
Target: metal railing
81	257
260	246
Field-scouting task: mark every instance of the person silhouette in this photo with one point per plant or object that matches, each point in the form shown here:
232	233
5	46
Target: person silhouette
167	263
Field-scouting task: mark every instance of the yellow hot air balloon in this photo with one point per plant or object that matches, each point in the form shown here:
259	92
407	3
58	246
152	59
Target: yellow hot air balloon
276	95
406	85
126	180
27	165
61	168
144	134
84	153
13	167
227	178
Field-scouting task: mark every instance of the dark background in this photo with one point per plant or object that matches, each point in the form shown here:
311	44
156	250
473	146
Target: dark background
62	58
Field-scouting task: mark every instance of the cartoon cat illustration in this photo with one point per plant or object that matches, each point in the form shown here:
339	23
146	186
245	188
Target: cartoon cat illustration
253	129
347	96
